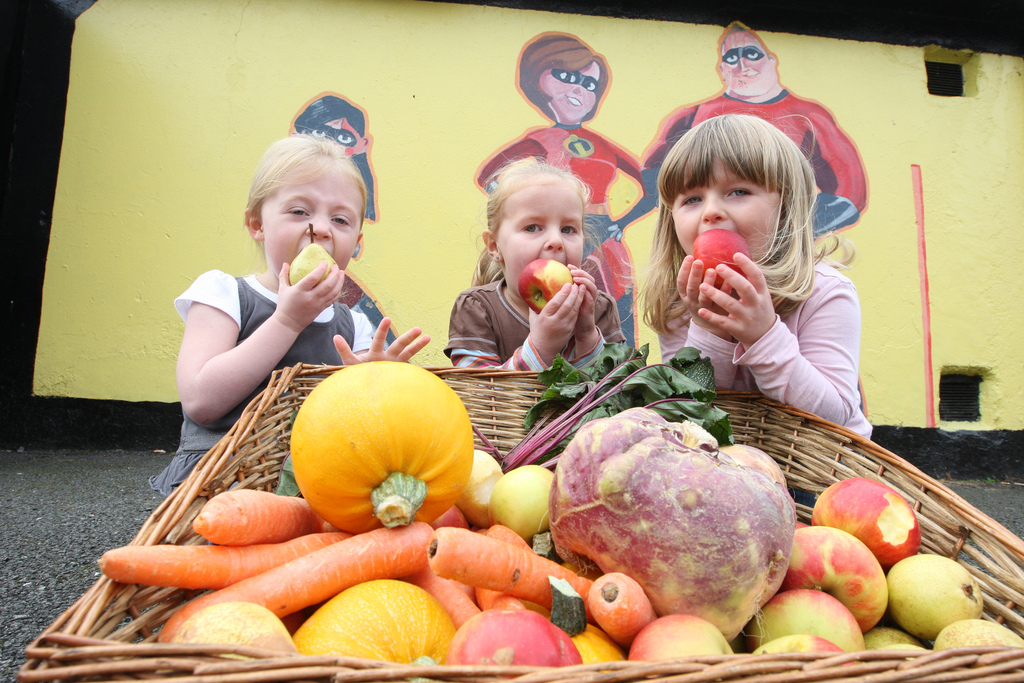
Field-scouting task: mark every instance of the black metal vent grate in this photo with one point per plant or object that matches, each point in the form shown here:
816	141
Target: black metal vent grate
959	398
945	79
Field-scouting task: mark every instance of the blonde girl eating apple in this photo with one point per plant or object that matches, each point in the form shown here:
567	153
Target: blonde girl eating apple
535	210
788	325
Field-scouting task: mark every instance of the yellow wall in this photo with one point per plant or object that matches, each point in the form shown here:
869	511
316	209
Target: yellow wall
171	103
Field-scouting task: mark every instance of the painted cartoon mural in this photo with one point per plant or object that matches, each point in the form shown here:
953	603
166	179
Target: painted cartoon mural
331	116
750	75
565	81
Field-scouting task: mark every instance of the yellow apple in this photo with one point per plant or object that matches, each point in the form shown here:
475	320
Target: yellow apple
519	500
475	499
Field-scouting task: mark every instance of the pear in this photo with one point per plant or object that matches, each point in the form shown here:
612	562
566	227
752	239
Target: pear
308	259
929	592
881	637
976	633
899	647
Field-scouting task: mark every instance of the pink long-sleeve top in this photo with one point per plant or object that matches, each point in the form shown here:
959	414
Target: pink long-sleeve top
809	359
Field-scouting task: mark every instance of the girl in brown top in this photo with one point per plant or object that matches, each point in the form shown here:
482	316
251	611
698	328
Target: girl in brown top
534	211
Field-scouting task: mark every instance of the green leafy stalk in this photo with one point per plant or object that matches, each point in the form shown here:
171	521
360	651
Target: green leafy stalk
616	380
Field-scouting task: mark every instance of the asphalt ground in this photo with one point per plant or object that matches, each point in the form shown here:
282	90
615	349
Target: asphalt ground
62	509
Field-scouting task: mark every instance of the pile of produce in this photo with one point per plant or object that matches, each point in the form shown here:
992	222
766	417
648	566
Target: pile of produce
639	538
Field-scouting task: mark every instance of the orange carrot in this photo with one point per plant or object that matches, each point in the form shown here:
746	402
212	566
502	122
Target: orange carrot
378	554
205	566
486	562
620	607
503	533
456	602
248	517
488	599
504	601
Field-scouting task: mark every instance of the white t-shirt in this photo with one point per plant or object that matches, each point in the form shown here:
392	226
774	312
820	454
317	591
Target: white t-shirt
218	289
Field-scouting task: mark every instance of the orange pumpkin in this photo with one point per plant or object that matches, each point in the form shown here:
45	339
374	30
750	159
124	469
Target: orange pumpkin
383	619
381	444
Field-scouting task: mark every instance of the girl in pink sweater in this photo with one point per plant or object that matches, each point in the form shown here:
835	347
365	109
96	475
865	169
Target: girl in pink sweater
785	322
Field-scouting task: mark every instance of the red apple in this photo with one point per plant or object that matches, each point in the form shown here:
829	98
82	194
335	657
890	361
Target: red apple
874	513
512	637
804	611
451	517
713	247
798	642
542	279
838	563
677	635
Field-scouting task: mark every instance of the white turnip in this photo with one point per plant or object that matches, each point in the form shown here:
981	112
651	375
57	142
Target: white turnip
703	535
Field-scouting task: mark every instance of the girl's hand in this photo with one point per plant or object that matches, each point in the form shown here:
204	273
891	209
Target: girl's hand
404	347
299	304
743	307
689	281
586	332
551	329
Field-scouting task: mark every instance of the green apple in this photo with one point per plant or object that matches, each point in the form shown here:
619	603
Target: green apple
929	592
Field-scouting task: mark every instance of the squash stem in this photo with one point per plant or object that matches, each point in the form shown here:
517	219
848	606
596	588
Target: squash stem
397	499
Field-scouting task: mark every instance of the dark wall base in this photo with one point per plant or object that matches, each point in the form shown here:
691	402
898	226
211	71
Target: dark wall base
74	423
40	423
960	454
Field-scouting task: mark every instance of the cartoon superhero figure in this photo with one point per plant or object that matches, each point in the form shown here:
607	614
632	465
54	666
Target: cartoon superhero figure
332	117
565	81
751	78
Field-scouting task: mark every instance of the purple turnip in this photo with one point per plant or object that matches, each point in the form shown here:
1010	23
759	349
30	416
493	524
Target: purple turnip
702	534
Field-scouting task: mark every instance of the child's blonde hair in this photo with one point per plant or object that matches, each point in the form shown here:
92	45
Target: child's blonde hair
760	153
508	180
299	159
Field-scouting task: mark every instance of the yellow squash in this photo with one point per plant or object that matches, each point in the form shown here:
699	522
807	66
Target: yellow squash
381	443
383	619
597	646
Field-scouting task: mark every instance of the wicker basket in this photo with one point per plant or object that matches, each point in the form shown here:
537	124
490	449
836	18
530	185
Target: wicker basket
109	633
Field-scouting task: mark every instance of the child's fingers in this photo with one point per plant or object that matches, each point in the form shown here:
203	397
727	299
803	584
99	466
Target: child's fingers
345	351
566	302
409	344
380	336
689	278
752	272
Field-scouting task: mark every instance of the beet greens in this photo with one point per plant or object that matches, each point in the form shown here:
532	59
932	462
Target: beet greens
617	379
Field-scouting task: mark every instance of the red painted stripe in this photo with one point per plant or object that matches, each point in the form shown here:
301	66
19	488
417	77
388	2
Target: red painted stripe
926	310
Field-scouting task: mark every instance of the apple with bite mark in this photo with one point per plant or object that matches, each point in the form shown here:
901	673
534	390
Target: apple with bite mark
836	562
540	280
677	635
804	611
874	513
719	246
